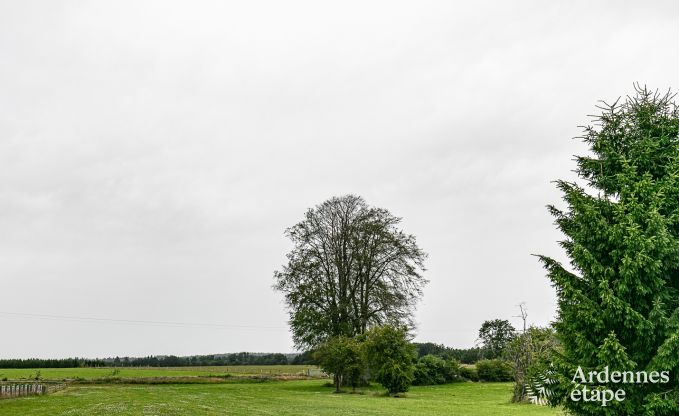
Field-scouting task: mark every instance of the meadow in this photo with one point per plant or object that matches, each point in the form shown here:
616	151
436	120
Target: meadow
147	372
298	397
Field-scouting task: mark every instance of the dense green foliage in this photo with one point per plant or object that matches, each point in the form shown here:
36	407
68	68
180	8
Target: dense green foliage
469	373
350	268
463	355
391	358
344	358
494	370
289	398
304	358
431	370
531	355
494	336
618	301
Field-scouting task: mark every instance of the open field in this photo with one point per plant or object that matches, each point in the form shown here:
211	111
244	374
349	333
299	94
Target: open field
142	372
307	397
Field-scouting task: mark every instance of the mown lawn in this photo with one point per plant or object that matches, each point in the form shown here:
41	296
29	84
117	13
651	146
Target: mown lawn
307	397
135	372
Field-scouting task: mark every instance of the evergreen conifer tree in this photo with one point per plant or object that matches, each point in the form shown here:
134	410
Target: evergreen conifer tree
618	301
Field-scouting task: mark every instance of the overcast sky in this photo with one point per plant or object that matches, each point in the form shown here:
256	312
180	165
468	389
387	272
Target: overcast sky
153	153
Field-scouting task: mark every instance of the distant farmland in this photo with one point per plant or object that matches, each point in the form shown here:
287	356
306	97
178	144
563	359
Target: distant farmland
143	372
299	397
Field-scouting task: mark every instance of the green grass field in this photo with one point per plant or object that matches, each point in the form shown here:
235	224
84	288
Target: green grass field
137	372
307	397
246	398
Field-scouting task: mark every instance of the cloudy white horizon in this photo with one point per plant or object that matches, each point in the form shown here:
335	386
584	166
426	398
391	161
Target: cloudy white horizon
152	154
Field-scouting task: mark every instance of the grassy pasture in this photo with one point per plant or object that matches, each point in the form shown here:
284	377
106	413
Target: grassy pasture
142	372
306	397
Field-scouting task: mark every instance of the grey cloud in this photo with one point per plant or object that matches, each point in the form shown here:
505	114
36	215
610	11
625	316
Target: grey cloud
152	153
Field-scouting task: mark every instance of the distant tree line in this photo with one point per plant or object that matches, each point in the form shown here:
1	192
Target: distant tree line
51	363
463	355
241	358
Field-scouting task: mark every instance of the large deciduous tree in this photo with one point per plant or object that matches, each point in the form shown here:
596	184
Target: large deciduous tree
494	336
618	299
351	267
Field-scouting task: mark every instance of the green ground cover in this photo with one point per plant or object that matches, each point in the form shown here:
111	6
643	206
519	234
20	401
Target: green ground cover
306	397
137	372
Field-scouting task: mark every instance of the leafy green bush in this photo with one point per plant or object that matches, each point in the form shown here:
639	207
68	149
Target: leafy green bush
494	370
469	373
396	376
390	357
431	369
344	358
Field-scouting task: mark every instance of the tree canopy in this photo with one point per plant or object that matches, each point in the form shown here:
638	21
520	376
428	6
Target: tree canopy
351	267
618	299
494	336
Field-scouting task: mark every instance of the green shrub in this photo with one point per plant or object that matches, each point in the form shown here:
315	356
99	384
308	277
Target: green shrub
469	373
396	376
494	370
344	358
390	357
431	370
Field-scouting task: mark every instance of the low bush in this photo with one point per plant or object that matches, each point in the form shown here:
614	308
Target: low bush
431	369
396	376
469	373
494	370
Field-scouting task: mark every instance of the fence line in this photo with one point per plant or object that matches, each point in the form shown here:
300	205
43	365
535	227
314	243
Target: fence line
11	390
